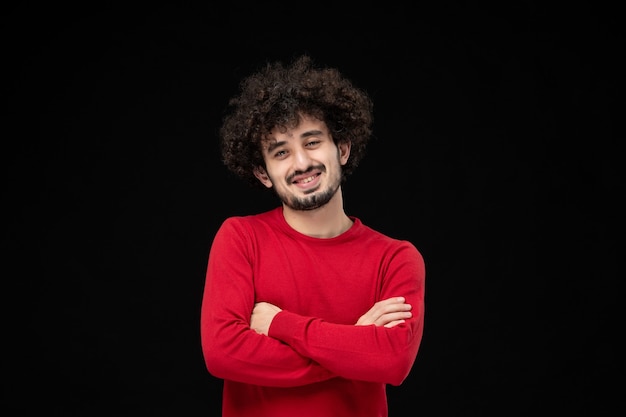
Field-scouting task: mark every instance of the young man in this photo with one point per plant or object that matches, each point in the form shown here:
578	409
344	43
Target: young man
306	311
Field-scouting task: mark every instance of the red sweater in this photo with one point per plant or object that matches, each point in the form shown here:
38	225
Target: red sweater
315	362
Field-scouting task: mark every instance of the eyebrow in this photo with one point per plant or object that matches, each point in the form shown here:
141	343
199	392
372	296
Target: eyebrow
275	144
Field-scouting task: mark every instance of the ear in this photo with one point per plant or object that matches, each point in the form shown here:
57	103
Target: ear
262	176
344	151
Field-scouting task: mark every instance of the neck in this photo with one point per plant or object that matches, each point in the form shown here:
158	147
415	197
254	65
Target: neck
324	222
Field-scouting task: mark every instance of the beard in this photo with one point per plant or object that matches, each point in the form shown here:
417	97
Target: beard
314	200
310	202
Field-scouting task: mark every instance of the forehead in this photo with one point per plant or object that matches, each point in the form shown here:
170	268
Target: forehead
306	127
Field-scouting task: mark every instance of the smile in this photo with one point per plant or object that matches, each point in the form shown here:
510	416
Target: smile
306	180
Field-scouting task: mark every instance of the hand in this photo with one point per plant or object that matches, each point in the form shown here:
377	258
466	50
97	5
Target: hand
388	313
262	315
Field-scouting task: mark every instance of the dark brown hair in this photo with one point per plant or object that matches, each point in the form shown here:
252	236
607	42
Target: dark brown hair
276	96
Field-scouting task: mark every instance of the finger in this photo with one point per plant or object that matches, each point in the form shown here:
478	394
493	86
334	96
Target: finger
392	300
391	304
393	323
396	307
388	318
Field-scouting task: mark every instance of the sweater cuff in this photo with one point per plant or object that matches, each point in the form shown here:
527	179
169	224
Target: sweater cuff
286	325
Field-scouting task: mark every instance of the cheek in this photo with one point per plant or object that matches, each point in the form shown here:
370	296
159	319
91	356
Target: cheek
279	169
275	174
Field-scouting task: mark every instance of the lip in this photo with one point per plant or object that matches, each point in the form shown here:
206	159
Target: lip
308	180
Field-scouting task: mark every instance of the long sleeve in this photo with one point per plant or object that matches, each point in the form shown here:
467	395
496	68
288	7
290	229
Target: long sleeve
368	353
231	349
323	286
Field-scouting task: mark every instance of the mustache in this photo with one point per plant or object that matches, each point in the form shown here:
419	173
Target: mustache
309	169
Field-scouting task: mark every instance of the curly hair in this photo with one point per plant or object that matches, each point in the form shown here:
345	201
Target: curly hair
277	96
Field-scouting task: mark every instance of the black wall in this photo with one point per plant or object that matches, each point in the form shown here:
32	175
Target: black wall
496	153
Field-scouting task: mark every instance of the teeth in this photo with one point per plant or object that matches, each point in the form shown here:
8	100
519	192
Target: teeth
308	179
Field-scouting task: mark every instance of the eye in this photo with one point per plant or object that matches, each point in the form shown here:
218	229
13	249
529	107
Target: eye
313	143
280	154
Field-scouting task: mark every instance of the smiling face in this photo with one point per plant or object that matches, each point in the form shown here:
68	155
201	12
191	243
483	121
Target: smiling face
303	164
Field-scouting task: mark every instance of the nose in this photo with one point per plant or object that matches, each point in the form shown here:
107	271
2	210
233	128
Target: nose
301	160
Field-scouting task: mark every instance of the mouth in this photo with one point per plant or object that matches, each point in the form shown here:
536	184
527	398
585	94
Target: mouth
307	181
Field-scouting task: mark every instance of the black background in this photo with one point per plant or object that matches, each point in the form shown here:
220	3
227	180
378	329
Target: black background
496	154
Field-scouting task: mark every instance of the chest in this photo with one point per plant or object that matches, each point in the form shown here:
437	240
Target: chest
337	284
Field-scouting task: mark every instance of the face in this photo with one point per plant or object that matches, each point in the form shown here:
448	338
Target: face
303	165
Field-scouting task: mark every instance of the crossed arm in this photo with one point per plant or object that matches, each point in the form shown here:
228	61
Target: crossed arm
387	313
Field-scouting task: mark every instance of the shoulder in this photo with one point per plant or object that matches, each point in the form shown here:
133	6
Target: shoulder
383	243
367	232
